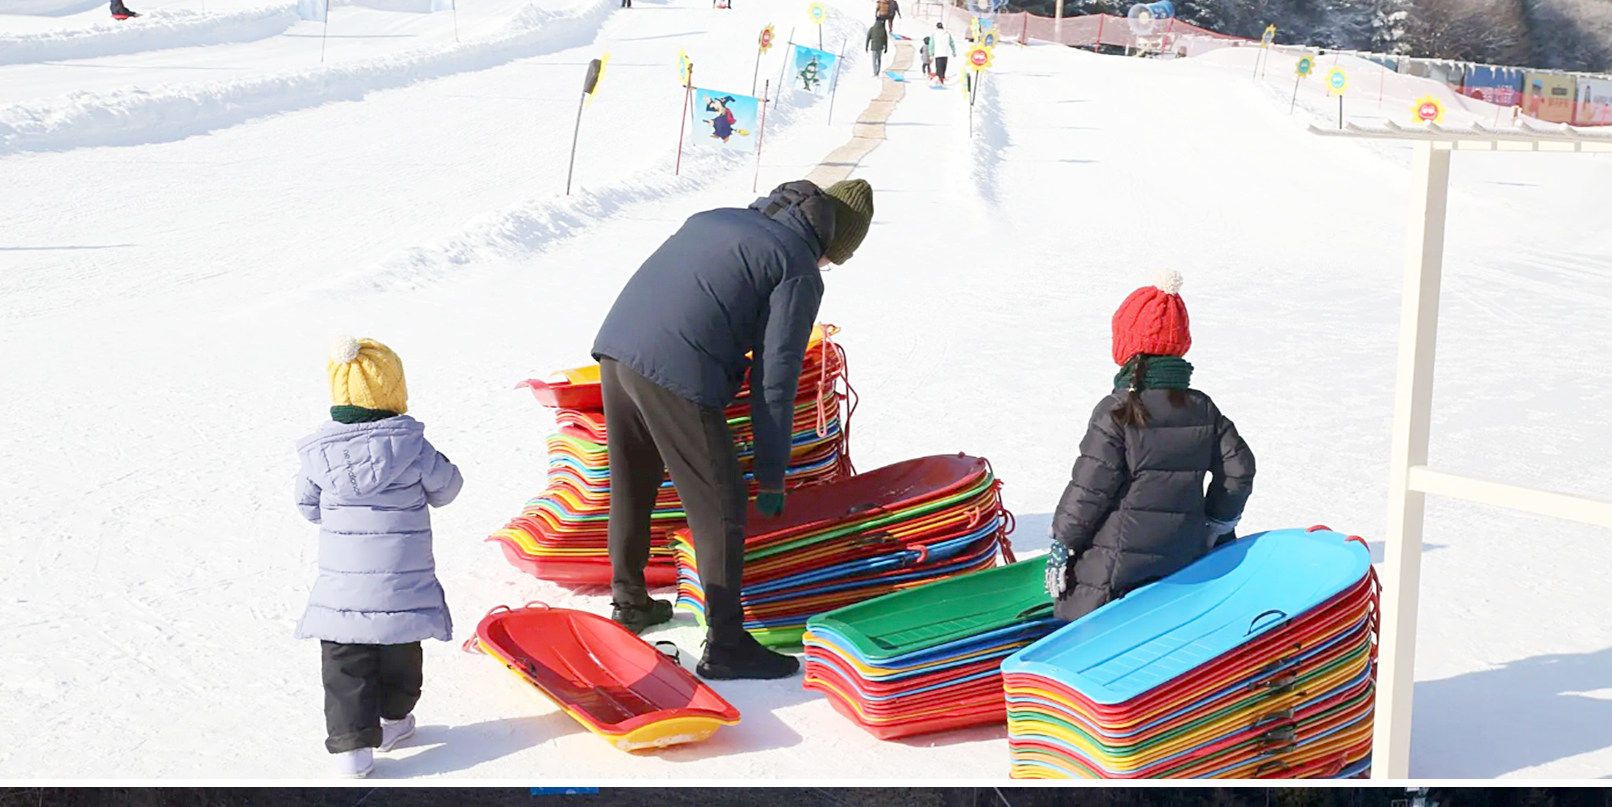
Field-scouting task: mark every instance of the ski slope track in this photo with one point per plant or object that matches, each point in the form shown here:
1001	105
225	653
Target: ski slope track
132	117
166	308
155	31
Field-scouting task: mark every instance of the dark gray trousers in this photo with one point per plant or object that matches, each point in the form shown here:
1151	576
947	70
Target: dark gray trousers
651	431
364	683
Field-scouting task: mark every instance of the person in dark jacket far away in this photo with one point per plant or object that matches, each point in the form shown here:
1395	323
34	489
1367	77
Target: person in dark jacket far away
672	356
878	44
1135	509
120	11
885	12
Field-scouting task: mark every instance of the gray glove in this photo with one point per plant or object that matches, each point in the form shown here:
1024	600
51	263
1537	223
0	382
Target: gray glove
1218	528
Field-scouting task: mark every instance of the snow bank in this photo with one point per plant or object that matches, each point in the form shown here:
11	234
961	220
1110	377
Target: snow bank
131	117
538	225
155	31
52	8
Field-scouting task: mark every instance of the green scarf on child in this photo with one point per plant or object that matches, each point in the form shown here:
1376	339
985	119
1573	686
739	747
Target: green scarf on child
1163	372
358	414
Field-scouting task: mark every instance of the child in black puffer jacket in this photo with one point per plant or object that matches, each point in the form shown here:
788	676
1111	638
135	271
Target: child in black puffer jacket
1136	508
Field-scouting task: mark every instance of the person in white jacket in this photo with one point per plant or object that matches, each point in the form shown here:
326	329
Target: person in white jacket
941	47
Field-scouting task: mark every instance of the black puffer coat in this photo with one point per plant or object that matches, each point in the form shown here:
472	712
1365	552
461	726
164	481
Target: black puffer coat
730	282
1136	509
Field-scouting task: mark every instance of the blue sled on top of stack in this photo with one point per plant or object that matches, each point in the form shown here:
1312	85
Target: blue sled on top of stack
1256	661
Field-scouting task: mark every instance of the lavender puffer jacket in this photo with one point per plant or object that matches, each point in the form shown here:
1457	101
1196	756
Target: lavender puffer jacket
367	486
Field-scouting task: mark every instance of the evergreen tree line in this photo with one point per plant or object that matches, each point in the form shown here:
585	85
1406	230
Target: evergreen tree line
1560	34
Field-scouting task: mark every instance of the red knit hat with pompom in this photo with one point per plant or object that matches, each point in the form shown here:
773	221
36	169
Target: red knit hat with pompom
1152	320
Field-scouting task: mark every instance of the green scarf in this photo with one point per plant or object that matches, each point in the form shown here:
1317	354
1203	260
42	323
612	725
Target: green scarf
1163	372
358	414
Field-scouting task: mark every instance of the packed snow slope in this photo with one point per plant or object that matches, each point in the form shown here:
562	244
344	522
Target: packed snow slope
168	303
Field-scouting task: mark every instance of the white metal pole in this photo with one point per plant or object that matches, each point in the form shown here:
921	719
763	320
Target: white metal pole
1057	24
1413	409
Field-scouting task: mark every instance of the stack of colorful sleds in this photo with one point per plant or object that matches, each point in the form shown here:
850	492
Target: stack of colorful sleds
1256	661
928	659
854	539
561	534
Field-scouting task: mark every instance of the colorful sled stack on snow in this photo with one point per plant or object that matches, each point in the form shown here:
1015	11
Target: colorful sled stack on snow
928	659
1257	661
857	538
612	682
561	534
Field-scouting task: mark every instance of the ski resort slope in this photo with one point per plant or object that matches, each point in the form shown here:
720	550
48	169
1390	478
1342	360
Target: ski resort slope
168	304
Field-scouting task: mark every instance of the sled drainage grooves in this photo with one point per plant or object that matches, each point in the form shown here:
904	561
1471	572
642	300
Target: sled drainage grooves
869	129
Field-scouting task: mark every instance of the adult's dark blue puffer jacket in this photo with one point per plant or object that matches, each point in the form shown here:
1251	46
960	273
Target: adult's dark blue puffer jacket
731	281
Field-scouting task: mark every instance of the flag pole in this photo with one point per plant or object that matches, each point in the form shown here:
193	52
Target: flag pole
574	132
325	35
682	120
761	132
789	50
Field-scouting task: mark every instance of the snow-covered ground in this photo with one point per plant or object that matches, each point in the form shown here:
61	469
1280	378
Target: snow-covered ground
180	245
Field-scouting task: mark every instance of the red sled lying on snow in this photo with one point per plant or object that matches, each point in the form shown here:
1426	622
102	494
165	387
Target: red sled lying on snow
612	682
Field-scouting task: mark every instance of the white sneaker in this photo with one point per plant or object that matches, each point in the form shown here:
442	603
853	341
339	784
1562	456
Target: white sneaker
396	731
355	764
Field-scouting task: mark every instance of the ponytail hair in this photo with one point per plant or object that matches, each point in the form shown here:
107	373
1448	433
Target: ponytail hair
1131	411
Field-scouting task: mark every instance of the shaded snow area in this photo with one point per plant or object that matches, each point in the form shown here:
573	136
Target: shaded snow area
193	206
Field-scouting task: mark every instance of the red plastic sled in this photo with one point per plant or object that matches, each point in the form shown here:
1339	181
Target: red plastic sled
614	683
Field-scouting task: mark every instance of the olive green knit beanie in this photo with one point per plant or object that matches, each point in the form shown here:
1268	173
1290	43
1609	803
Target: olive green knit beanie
853	212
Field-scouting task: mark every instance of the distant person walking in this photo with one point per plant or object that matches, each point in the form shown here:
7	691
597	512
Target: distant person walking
878	44
941	47
886	12
120	11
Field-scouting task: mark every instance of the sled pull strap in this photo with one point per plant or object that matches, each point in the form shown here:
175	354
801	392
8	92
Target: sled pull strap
673	653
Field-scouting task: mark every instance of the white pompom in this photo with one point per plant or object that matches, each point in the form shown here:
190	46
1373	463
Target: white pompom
345	350
1168	281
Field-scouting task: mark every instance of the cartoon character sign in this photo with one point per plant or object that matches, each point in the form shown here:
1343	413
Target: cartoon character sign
812	70
731	118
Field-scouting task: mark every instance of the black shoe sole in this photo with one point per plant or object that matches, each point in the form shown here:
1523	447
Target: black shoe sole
645	620
716	673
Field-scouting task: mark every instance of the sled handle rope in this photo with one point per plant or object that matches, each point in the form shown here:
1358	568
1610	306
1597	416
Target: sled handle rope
1255	621
676	655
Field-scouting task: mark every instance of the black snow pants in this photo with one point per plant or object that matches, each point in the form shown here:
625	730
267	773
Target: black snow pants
940	67
364	683
650	431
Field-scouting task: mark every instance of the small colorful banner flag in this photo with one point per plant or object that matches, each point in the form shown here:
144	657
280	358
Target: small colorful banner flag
817	13
1305	66
729	119
812	70
765	42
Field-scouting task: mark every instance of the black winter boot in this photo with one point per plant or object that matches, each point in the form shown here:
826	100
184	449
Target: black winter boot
637	618
744	658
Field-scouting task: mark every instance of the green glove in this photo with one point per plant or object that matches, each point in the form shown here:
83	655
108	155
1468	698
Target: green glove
770	503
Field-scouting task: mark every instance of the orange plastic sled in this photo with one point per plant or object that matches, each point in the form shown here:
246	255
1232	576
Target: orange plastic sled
612	682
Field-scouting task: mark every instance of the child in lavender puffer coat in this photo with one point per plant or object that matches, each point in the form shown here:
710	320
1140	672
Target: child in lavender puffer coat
366	479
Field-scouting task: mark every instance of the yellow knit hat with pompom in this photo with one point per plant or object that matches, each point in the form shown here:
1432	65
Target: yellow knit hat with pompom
366	373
